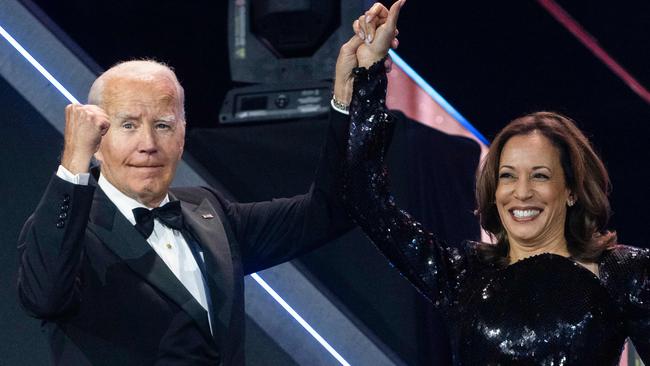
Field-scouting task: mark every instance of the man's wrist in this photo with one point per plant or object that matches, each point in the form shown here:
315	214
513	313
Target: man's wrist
76	164
343	88
68	176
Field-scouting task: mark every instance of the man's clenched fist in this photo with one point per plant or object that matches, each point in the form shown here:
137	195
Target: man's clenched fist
84	127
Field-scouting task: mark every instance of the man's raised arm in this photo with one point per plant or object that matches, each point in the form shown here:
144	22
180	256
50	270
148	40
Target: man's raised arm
50	244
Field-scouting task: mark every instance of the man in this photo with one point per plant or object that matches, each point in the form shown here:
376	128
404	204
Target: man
124	270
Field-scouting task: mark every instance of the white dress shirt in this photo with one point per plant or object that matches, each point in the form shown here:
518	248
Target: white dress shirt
168	243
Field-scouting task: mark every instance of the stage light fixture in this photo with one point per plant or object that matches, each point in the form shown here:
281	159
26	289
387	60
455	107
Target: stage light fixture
287	41
294	28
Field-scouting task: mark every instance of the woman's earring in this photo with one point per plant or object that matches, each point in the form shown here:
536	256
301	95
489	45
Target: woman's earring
571	201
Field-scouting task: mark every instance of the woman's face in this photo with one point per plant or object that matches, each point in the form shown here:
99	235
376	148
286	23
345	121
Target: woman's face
532	195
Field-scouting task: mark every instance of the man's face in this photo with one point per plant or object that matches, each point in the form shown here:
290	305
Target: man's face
141	149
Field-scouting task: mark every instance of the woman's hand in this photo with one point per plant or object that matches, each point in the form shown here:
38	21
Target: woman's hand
372	28
378	28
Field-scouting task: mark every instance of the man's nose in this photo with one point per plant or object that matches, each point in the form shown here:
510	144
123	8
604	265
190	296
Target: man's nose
148	141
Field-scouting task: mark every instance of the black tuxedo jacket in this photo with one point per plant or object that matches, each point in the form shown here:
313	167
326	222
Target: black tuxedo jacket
105	296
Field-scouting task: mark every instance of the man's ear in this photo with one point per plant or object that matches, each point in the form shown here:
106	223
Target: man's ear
182	142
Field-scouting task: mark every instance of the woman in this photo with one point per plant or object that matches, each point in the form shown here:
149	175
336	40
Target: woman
554	289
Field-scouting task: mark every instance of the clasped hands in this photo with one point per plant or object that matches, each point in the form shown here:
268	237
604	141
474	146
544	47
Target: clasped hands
375	33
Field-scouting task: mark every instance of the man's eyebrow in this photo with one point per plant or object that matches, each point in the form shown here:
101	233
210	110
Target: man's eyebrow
169	118
123	115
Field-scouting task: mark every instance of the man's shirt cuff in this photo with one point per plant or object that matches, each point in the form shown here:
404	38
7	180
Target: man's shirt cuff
65	174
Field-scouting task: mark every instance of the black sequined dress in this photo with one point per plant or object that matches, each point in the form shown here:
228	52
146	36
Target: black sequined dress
543	310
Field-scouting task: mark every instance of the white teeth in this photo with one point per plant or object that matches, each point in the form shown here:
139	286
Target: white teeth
522	214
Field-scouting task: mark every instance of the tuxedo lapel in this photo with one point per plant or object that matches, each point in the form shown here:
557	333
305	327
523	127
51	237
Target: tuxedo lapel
206	225
117	233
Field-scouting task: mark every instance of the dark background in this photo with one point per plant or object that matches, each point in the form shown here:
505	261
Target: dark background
493	61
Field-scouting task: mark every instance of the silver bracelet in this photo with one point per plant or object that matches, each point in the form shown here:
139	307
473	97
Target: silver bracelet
340	105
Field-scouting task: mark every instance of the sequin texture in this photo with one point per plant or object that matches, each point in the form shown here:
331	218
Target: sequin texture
543	310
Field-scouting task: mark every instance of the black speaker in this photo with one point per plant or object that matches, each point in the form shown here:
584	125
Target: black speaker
273	41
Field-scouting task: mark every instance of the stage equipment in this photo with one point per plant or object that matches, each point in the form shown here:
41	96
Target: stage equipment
290	48
260	103
294	28
272	41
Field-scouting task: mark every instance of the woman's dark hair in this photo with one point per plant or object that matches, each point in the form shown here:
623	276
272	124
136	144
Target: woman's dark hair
585	176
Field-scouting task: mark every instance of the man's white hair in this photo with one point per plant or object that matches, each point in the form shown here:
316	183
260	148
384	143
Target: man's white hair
138	70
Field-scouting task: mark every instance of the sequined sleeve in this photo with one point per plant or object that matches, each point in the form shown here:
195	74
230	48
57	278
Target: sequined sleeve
637	299
625	271
435	269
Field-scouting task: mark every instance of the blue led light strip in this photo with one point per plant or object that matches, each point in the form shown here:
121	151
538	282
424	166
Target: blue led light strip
255	276
436	96
300	320
37	65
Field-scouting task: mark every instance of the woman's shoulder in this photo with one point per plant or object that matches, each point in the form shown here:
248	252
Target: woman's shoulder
620	255
625	271
472	248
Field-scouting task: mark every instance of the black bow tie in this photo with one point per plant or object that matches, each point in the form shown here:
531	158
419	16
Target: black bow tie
169	214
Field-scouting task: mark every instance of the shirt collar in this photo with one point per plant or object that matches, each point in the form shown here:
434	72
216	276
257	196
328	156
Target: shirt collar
123	202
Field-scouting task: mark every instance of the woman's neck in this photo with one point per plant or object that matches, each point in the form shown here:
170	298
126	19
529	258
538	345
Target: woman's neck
559	247
521	251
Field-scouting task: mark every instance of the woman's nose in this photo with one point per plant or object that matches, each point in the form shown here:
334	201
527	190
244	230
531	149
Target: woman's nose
523	190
